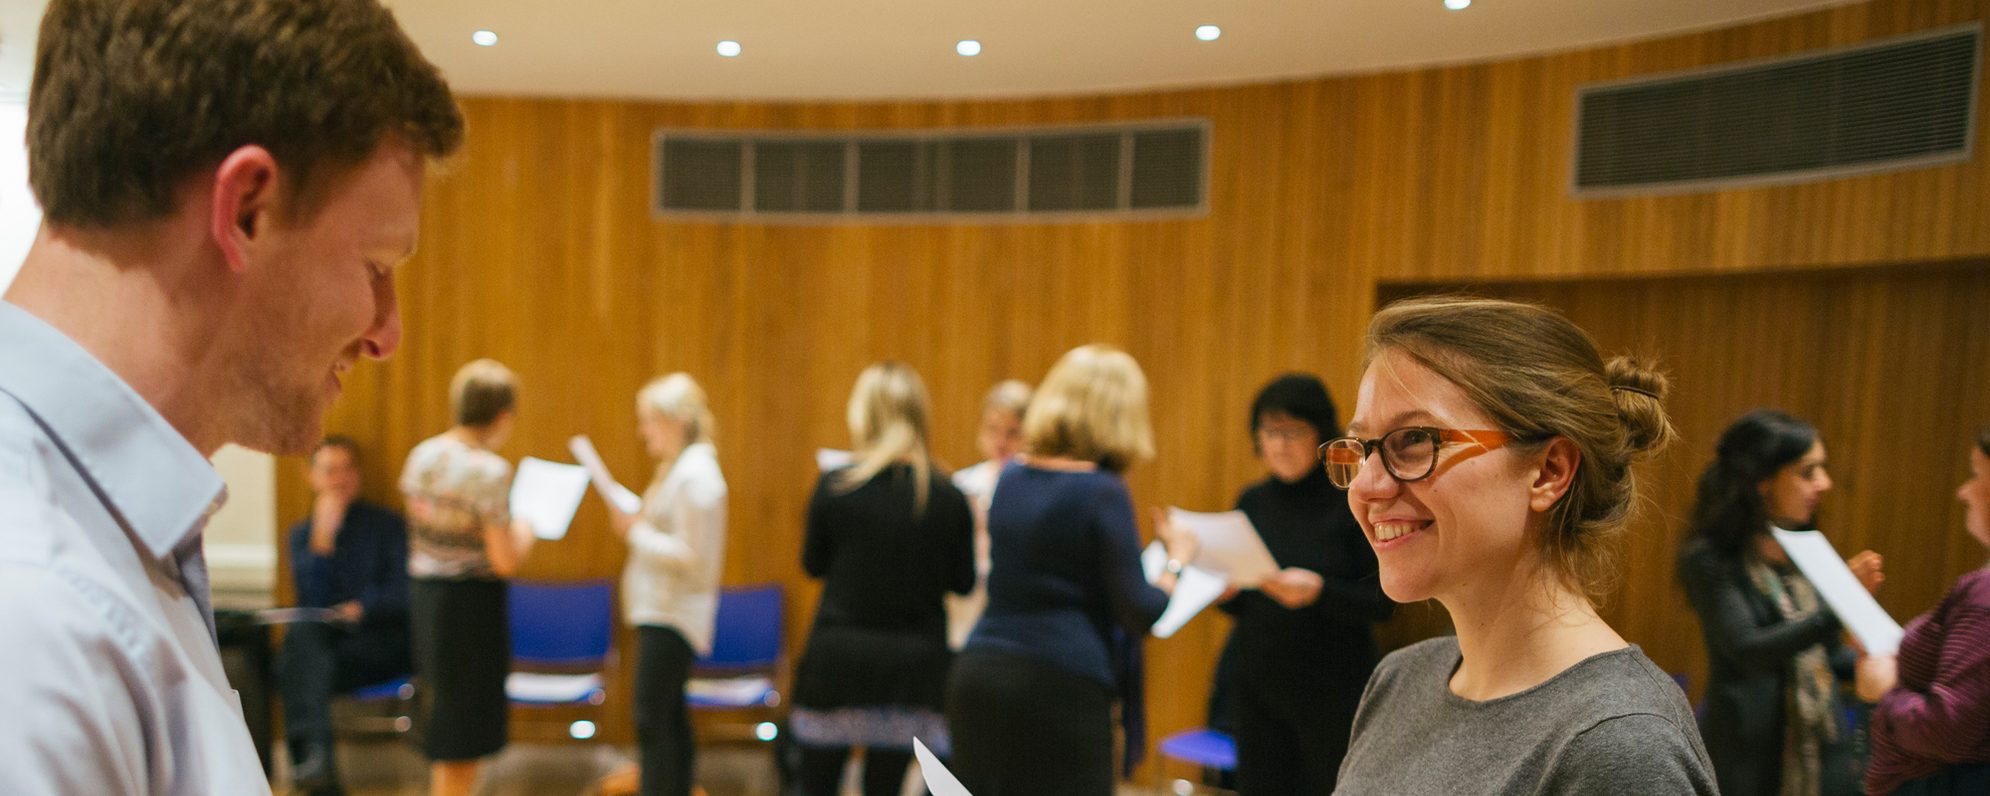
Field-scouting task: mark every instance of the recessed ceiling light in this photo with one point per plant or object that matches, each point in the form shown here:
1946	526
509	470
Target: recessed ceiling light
1208	32
1457	5
484	38
968	47
729	48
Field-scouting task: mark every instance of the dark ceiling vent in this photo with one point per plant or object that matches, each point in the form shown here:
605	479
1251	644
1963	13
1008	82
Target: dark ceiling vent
1145	170
1898	104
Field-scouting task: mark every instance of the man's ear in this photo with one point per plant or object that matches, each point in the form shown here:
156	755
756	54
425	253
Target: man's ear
1553	476
243	203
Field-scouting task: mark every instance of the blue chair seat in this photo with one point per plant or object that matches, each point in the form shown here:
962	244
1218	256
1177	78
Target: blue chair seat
731	692
397	688
539	688
562	638
739	680
1203	747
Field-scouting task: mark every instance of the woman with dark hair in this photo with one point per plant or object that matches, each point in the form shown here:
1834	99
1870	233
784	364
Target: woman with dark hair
1931	729
1301	648
1773	721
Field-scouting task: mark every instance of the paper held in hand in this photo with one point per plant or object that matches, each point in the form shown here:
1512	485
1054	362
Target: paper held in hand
827	459
938	779
1194	590
1848	598
546	495
617	495
1230	546
284	616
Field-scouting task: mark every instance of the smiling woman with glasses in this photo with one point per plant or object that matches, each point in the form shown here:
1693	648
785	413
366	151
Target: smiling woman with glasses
1488	463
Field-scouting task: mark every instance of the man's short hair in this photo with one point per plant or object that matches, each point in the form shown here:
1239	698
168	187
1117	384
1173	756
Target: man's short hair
133	97
342	442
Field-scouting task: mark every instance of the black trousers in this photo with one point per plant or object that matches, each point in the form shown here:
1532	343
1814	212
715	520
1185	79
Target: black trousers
664	742
1291	732
1025	727
320	660
822	770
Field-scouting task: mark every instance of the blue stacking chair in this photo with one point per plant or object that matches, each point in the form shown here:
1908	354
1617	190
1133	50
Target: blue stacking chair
561	645
743	672
385	708
1214	752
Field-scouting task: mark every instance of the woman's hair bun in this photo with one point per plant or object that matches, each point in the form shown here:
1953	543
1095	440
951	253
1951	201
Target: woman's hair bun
1639	391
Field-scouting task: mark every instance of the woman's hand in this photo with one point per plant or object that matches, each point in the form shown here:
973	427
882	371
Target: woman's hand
1866	567
1180	543
1293	587
620	521
1876	675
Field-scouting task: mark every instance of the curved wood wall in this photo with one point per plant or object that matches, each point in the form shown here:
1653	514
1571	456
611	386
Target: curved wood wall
539	250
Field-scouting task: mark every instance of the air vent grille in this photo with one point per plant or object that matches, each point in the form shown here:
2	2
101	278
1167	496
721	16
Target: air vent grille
1145	169
1899	104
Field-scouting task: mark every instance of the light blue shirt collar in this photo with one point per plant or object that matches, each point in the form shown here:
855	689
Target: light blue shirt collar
156	483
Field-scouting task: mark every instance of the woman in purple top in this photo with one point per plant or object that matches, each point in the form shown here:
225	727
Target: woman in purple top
1931	729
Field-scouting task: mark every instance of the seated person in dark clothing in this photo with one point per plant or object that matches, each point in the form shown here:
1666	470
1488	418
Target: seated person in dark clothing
349	556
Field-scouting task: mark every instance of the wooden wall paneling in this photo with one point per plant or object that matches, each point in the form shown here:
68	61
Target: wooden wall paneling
539	249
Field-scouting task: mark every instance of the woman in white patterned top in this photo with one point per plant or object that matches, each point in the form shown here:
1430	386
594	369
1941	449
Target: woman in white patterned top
463	543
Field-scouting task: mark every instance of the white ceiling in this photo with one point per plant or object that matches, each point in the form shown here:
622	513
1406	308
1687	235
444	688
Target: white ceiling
886	49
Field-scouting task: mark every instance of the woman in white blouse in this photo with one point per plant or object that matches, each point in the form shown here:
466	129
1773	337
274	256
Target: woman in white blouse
1000	439
670	587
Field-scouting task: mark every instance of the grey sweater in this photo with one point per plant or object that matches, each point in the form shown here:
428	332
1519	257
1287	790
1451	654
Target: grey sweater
1611	724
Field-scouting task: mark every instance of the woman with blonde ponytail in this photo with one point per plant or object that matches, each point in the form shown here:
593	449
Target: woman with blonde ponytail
889	536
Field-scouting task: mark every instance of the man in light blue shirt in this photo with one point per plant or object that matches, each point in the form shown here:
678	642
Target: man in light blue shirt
226	187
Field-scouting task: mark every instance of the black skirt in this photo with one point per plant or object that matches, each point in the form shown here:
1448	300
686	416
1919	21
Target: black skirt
462	641
860	667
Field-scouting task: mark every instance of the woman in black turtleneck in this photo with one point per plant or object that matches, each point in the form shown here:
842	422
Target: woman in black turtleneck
1302	647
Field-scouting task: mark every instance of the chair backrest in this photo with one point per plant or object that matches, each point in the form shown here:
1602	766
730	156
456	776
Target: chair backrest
562	624
748	629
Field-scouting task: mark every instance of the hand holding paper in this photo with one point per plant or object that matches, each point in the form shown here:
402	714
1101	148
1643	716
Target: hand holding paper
1194	590
621	497
1230	547
1842	590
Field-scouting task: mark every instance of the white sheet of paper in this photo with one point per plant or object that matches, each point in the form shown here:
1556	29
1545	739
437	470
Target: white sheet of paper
546	495
1820	562
621	497
938	779
1195	590
1231	548
827	459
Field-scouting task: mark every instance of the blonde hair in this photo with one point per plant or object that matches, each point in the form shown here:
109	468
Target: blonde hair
677	396
481	391
887	416
1538	376
1092	406
1010	396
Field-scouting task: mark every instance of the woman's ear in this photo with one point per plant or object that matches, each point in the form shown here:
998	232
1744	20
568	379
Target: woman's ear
1559	461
